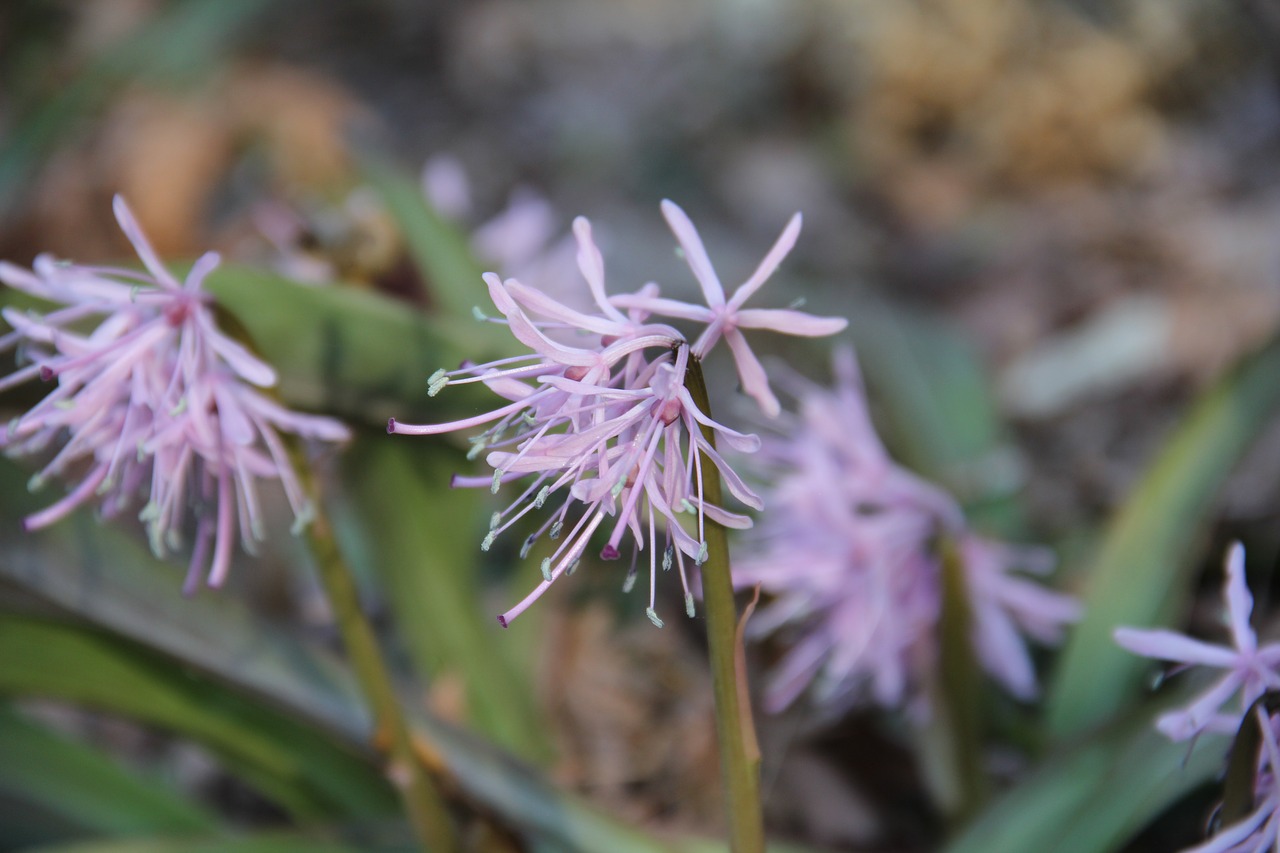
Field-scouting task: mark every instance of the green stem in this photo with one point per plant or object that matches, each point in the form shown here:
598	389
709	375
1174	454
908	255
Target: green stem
422	800
735	732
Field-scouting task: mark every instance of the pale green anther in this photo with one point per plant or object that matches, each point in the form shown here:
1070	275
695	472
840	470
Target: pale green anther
546	569
180	408
524	549
528	418
133	293
702	554
256	531
35	484
497	481
653	616
629	583
173	539
495	520
477	447
65	405
156	538
618	487
478	314
142	450
303	519
13	427
666	559
687	506
487	542
543	494
688	604
556	528
150	512
107	484
797	303
573	567
436	383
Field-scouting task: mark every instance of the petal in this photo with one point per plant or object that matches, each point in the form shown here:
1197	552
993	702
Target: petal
1172	646
591	263
1239	601
663	306
695	254
200	270
755	383
539	303
141	245
789	322
780	249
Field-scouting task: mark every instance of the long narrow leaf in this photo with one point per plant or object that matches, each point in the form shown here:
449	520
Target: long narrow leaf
1140	575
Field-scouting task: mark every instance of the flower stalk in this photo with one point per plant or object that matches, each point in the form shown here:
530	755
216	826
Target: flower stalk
735	731
422	799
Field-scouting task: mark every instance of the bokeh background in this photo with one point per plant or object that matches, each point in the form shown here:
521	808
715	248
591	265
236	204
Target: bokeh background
1052	224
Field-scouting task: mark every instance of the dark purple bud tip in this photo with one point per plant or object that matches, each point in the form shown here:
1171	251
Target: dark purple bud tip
609	553
502	620
391	425
46	373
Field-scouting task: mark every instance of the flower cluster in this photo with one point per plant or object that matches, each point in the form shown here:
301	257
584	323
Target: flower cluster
603	426
150	397
1249	670
849	557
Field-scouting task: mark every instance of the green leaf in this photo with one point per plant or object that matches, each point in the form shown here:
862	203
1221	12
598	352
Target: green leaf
344	350
84	788
1141	573
425	542
453	275
1092	796
275	842
293	764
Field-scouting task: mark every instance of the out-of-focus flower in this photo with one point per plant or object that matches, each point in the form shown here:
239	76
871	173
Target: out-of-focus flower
1250	672
150	394
848	555
605	422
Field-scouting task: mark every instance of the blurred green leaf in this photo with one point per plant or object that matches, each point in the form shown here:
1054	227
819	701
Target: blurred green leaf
1092	796
176	45
293	764
343	350
1140	576
425	541
443	258
87	790
937	409
275	842
93	571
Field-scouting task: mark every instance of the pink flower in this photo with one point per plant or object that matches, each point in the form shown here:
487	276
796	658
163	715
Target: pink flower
601	427
847	556
726	317
1249	670
152	395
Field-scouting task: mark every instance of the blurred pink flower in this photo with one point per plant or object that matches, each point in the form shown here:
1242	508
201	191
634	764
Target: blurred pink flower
152	395
847	554
1250	672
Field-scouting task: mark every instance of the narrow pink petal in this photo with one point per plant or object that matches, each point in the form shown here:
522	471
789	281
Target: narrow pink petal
237	356
200	270
527	333
394	426
781	248
695	254
543	305
1191	720
755	383
1239	601
789	322
663	307
1172	646
591	263
141	245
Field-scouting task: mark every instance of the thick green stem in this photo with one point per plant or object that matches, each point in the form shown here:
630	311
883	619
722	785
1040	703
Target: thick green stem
735	732
422	800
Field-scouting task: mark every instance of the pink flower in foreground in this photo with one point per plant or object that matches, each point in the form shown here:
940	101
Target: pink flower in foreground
1250	671
847	554
150	395
603	427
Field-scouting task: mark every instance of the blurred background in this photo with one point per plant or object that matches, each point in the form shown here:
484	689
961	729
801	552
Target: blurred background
1051	224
